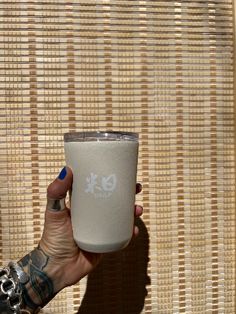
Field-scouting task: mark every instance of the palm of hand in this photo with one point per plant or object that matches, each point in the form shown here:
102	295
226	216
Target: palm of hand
58	243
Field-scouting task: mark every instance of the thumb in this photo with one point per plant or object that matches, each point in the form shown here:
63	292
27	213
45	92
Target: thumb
61	185
57	232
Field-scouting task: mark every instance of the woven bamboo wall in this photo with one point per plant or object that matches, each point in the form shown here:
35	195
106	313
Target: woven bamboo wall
160	68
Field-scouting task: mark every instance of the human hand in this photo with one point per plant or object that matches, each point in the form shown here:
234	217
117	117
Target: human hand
58	261
57	240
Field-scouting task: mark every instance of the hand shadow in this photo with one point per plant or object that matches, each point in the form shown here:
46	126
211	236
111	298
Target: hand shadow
118	284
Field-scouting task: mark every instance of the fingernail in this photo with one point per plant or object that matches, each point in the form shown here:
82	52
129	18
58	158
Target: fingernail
62	174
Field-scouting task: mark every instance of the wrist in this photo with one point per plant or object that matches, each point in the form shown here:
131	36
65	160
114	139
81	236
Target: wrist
42	280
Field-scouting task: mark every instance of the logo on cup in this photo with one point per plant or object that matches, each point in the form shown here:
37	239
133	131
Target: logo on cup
101	186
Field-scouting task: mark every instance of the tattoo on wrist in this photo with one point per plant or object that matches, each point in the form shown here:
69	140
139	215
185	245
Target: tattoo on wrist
38	290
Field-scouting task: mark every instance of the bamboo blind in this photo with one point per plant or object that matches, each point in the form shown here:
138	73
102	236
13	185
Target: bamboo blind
160	68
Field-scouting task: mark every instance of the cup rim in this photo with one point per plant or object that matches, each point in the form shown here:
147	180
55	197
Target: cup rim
89	136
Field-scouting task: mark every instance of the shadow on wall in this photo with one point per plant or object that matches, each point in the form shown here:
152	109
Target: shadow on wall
118	284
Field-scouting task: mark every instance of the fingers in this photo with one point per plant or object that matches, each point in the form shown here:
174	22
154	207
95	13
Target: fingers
61	185
138	211
138	188
136	231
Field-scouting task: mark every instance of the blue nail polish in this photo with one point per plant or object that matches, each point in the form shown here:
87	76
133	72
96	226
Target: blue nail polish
62	174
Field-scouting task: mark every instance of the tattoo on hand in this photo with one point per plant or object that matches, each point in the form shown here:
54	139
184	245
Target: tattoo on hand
38	290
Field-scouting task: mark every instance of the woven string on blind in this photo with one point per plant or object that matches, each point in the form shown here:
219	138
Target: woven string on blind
160	68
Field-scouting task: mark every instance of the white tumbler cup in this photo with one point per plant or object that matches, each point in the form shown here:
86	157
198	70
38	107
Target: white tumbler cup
104	166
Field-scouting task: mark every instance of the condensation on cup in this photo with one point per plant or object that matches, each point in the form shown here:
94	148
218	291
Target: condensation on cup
104	166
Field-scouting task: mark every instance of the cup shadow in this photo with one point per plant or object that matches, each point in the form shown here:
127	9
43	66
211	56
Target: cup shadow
118	284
